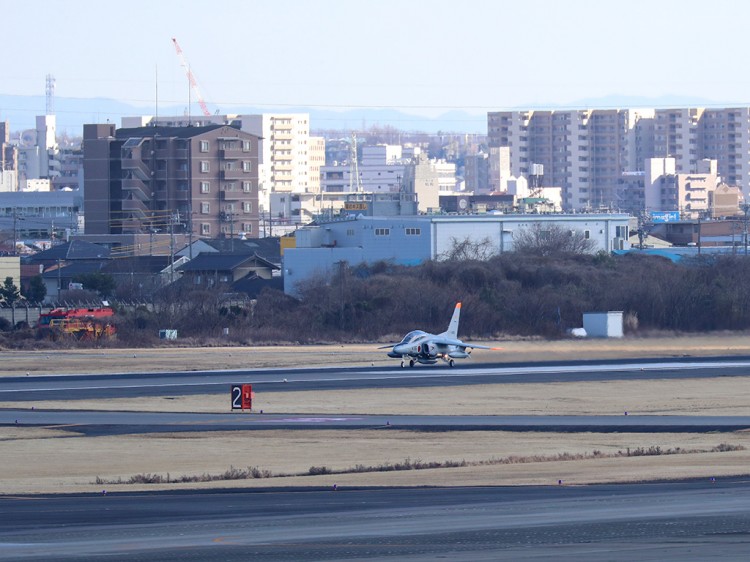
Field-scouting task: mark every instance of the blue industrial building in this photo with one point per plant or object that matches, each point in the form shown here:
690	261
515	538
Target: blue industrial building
411	240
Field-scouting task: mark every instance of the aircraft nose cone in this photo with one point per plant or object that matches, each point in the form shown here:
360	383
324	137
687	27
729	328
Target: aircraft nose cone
400	349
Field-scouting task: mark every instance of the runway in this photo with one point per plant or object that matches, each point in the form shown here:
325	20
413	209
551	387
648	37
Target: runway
662	521
132	385
96	423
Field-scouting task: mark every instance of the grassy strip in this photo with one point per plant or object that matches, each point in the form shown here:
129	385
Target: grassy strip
408	464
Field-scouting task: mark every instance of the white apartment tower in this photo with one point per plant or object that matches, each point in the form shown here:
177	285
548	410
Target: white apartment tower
284	153
38	153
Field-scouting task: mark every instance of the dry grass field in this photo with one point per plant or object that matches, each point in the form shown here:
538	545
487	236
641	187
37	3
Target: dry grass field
57	459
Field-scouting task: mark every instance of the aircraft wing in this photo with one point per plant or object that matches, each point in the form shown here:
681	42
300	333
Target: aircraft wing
459	343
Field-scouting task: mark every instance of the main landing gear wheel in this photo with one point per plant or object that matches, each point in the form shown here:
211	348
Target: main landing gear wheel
451	362
411	362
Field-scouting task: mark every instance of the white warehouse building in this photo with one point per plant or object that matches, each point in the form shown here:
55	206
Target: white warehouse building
411	240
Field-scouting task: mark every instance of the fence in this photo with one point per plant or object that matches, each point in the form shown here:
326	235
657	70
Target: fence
23	313
29	313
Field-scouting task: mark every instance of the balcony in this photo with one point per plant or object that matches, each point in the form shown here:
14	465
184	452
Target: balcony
230	153
233	195
234	174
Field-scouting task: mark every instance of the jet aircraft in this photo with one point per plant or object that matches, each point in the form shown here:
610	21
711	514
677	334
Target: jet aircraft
422	347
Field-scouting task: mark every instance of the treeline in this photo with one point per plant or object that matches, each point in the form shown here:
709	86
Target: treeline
508	295
520	295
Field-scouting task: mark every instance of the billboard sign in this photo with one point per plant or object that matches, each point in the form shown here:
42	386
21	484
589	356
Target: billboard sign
665	216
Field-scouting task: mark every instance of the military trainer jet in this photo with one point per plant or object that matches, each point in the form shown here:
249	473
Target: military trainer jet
421	347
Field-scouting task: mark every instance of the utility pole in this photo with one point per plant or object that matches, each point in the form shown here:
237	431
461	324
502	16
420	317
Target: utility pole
15	233
745	209
231	231
190	230
171	248
699	235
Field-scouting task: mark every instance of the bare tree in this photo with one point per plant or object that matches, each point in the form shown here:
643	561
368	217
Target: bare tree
469	249
549	240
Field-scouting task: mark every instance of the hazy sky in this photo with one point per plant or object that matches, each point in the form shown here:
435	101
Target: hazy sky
425	56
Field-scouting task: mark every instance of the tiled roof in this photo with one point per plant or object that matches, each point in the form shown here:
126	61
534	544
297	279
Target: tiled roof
73	269
75	250
217	262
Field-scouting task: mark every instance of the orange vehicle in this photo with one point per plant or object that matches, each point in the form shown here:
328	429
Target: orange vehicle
80	323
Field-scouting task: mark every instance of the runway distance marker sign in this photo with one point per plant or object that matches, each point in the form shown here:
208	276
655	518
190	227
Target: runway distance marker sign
242	397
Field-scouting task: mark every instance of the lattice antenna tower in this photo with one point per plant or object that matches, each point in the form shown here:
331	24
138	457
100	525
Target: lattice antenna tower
49	92
355	182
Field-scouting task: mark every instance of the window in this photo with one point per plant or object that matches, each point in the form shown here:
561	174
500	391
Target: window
247	146
203	146
382	232
247	207
413	231
247	187
247	166
205	167
205	187
621	231
205	208
587	234
205	228
247	227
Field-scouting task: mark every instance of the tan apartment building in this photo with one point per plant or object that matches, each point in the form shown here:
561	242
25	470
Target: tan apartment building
691	194
587	152
197	180
725	201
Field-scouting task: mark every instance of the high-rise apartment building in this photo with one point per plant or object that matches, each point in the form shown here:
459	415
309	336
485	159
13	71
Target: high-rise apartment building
286	151
584	152
589	153
8	160
38	154
198	180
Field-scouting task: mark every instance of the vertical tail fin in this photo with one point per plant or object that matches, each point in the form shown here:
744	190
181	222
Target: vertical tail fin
452	331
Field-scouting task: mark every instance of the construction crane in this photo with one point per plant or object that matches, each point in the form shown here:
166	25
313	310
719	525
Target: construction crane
191	78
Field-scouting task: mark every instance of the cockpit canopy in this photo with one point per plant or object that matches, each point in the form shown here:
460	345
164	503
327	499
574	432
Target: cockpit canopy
411	336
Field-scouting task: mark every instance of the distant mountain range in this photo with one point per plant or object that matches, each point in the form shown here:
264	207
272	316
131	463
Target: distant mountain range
72	113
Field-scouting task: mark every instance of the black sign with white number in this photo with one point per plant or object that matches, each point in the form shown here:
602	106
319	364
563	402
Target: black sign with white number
236	397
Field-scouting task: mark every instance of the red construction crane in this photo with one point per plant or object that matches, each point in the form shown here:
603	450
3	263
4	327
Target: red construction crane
191	78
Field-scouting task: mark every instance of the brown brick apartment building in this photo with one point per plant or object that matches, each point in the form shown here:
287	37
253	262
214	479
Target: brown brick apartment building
199	180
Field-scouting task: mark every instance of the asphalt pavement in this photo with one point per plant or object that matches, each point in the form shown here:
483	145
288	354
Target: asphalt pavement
698	520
